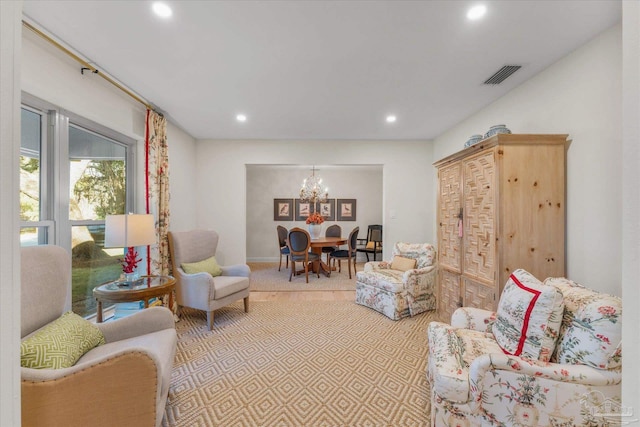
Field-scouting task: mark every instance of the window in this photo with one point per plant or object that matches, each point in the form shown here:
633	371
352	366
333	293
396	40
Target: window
35	228
68	187
97	188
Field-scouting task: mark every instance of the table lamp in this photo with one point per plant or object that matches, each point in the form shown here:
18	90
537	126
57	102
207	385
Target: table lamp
128	231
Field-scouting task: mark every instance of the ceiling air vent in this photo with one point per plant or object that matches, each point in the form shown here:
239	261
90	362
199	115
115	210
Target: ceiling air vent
502	74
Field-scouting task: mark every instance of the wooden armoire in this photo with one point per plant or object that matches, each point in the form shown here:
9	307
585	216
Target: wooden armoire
501	206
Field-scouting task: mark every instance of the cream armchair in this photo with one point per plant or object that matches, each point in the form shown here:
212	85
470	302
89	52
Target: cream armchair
202	290
122	382
475	382
402	287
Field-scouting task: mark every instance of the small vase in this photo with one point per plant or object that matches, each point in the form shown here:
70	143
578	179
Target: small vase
315	230
130	277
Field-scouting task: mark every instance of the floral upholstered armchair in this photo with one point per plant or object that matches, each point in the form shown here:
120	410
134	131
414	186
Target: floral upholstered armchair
550	356
402	287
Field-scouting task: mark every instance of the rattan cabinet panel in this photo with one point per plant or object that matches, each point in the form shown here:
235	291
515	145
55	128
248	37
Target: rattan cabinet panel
478	295
478	238
501	206
448	211
449	298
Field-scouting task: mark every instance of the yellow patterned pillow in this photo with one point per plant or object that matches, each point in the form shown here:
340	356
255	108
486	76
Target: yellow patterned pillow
209	265
60	343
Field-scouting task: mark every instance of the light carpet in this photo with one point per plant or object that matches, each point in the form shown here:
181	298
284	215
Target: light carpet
265	277
308	364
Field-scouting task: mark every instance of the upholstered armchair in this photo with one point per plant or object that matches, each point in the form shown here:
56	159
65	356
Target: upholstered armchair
200	282
404	286
550	356
124	380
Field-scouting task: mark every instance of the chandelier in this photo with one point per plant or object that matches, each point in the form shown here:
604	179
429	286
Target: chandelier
312	191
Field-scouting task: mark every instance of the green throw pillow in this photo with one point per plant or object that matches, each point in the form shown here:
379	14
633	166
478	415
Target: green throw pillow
60	343
209	265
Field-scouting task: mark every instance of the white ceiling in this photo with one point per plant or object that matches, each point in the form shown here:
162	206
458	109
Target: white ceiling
321	69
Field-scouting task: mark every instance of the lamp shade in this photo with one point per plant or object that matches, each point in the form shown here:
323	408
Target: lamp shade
122	231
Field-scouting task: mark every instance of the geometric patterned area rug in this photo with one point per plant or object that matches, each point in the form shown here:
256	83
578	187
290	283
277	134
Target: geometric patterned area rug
265	277
308	364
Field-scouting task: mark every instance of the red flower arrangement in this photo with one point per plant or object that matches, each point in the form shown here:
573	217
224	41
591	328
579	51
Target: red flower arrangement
315	218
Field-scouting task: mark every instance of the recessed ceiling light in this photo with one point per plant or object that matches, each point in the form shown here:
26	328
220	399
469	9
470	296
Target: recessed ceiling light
162	10
241	118
476	12
391	118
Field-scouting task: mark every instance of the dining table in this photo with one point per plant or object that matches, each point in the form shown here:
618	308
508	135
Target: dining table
316	247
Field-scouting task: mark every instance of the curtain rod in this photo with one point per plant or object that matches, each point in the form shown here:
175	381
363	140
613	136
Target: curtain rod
86	65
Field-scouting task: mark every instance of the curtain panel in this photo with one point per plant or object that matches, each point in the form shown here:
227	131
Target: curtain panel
157	193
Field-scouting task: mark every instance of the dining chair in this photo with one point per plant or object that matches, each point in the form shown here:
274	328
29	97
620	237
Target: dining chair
332	231
347	254
282	244
299	242
373	244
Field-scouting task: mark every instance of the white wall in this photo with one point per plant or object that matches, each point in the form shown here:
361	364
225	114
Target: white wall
51	75
631	204
10	47
54	77
264	183
579	95
182	175
408	184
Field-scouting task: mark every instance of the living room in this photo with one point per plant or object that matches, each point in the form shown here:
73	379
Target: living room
581	94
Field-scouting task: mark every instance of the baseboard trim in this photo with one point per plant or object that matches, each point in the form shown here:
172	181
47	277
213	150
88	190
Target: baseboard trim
264	259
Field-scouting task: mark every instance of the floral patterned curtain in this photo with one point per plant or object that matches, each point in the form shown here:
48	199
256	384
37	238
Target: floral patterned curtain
157	192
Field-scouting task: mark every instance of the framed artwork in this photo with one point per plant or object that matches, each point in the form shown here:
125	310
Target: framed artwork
346	210
327	209
303	210
283	209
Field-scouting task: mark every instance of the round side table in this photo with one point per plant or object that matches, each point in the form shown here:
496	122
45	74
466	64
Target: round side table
144	289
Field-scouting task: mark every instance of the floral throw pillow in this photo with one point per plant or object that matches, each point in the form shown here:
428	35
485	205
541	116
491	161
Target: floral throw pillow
423	253
528	317
591	332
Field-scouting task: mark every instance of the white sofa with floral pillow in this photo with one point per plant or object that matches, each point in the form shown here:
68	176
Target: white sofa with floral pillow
550	356
404	286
